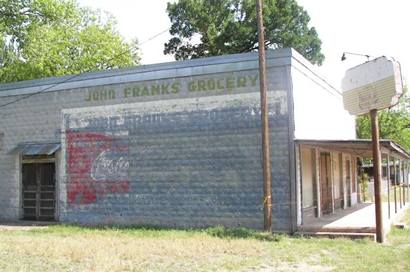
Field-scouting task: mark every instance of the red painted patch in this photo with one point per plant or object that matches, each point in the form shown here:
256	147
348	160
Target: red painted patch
96	165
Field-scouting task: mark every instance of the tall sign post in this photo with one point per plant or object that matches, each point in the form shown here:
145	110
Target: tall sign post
377	174
367	88
267	187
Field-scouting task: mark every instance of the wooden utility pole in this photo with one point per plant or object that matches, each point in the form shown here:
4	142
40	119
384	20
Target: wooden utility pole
267	187
377	176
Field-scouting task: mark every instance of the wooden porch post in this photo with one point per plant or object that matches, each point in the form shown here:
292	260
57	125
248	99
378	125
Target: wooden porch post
342	182
404	183
395	185
408	181
351	178
400	181
347	180
388	184
317	187
299	187
358	175
354	177
332	179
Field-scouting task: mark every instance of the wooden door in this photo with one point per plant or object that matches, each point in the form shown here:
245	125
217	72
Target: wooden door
39	191
325	183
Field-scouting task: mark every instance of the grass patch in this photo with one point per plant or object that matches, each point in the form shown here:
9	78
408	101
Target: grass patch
148	248
241	233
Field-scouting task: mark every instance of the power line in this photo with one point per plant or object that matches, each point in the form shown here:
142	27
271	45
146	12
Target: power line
76	75
156	35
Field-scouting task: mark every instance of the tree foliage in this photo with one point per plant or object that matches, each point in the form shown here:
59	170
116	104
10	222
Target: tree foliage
41	38
394	124
230	26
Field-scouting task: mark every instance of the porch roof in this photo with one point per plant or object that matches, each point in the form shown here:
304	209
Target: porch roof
359	147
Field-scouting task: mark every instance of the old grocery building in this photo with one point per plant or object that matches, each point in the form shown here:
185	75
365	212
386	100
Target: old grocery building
178	144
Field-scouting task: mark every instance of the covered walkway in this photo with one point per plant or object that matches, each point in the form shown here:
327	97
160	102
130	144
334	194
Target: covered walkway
358	219
331	198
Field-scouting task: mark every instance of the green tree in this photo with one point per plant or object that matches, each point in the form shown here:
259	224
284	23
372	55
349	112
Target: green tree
42	38
394	123
229	26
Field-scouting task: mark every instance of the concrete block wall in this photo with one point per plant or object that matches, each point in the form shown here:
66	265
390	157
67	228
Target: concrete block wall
186	163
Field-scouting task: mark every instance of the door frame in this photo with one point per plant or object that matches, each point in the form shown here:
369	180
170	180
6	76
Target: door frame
328	175
39	159
348	180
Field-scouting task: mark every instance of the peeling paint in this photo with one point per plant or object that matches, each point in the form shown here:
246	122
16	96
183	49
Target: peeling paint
110	165
96	166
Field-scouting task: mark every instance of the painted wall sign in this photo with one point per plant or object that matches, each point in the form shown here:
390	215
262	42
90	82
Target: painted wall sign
172	87
375	84
97	164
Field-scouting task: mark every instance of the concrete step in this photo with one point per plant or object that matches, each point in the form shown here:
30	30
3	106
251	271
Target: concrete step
338	229
28	223
332	235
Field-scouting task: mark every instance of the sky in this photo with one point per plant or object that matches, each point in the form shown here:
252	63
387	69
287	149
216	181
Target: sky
370	27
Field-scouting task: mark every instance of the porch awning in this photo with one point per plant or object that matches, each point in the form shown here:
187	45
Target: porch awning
360	147
31	149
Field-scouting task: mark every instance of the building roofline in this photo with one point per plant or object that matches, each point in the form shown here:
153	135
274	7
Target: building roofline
386	143
234	58
314	71
167	70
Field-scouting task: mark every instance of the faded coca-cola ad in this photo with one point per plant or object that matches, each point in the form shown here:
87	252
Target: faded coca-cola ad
97	165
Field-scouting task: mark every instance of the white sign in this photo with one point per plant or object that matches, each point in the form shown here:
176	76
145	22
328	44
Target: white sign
375	84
